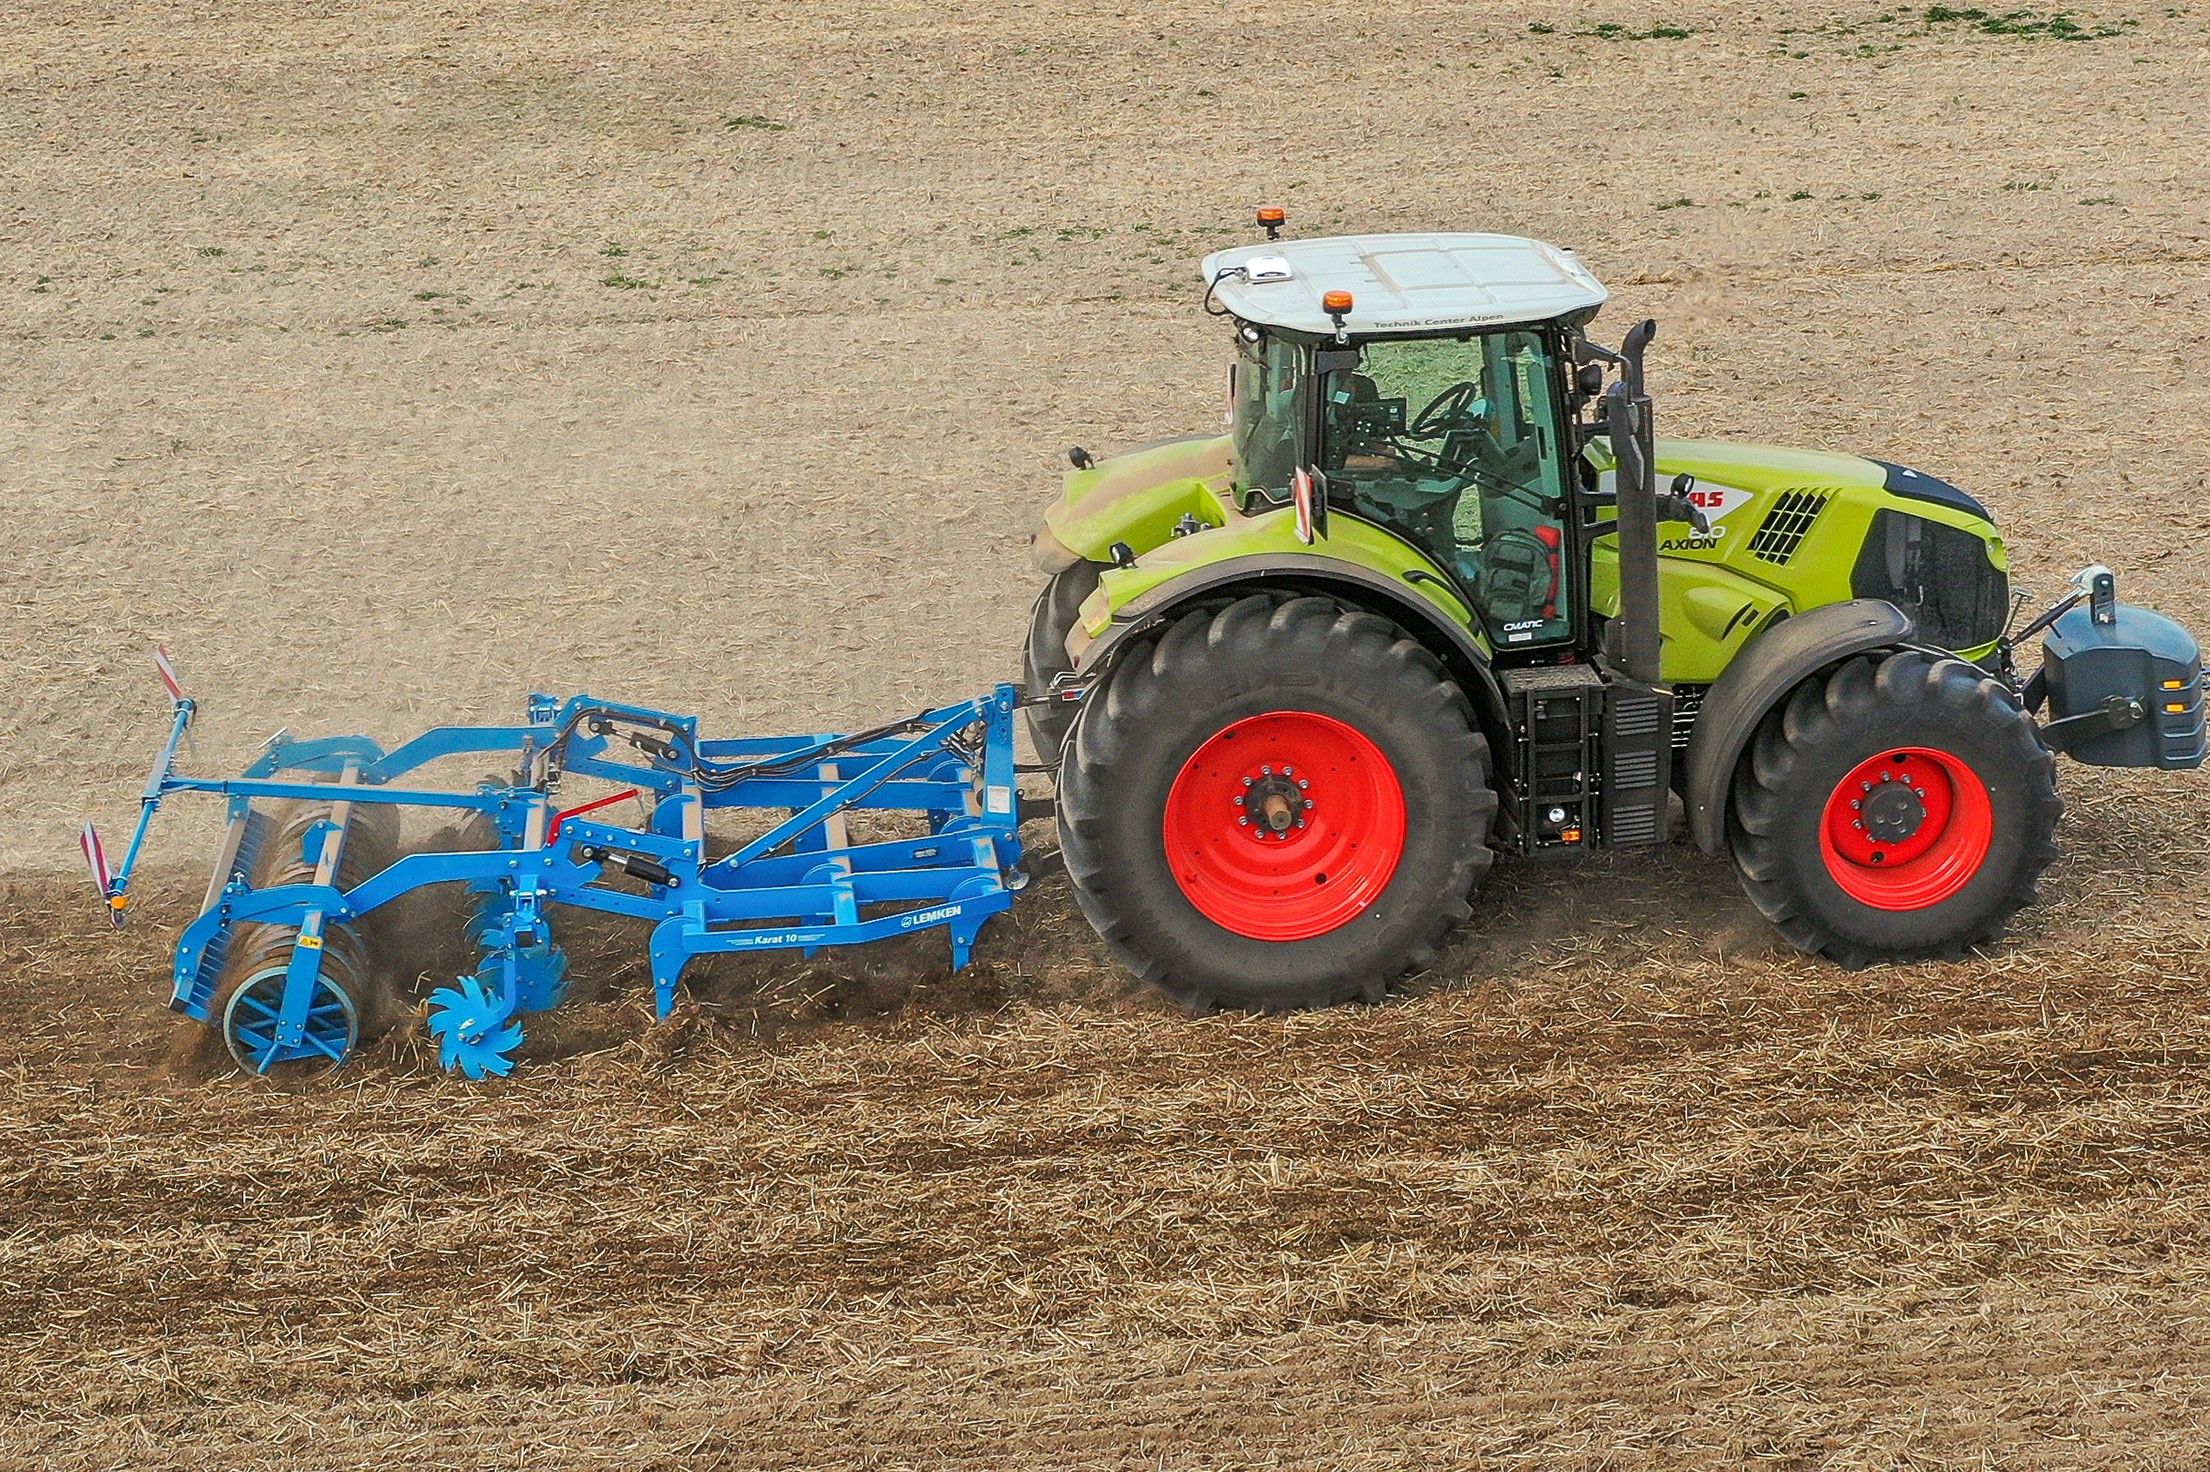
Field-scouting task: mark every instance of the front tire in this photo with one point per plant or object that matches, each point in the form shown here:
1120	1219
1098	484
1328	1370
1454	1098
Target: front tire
1276	806
1899	809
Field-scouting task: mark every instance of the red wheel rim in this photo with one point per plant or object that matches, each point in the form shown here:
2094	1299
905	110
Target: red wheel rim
1284	826
1907	829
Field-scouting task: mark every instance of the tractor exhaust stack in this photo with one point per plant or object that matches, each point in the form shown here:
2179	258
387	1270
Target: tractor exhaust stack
1633	642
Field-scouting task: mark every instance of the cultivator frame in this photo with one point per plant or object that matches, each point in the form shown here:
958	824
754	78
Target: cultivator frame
802	884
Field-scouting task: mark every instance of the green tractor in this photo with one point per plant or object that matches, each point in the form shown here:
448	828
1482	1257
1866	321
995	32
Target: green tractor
1426	602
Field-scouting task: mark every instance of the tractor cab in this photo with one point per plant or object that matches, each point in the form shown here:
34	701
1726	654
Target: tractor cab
1419	378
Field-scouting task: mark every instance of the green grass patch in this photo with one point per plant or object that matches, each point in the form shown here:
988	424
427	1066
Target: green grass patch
1612	30
2031	25
623	281
758	121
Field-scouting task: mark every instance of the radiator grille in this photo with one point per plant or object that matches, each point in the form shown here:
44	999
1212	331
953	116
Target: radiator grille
1939	575
1782	532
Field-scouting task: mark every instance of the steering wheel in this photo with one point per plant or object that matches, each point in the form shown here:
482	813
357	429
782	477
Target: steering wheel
1469	452
1449	418
1446	413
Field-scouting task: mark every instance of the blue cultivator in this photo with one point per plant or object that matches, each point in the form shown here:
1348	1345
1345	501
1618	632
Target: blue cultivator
277	959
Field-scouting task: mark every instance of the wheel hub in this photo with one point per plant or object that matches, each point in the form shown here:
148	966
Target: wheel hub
1273	803
1892	812
1284	826
1907	829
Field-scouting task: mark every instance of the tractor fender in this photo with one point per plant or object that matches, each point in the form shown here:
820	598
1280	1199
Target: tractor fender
1758	679
1448	640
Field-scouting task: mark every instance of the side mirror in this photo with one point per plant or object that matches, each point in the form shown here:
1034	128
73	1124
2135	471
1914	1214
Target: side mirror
1588	379
1079	458
1677	504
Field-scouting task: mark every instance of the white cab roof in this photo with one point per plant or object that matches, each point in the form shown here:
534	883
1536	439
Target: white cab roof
1404	283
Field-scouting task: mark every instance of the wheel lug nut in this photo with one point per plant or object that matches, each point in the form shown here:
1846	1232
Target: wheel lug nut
1243	822
1302	784
1246	781
1266	771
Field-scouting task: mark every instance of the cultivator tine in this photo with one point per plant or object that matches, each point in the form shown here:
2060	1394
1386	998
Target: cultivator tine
835	831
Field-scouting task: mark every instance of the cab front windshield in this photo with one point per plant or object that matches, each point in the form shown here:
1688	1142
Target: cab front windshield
1450	443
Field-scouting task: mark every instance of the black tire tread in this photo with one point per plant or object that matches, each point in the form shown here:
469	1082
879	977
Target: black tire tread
1306	632
1811	717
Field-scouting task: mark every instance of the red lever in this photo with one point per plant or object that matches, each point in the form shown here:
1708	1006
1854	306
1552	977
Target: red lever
590	807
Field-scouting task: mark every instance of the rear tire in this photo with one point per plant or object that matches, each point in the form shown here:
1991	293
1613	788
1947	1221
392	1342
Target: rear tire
1329	722
1045	656
1900	808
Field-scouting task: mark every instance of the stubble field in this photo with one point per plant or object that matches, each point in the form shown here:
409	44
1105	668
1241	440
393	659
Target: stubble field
388	362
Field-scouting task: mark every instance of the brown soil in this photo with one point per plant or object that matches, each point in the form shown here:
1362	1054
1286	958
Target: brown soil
387	363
